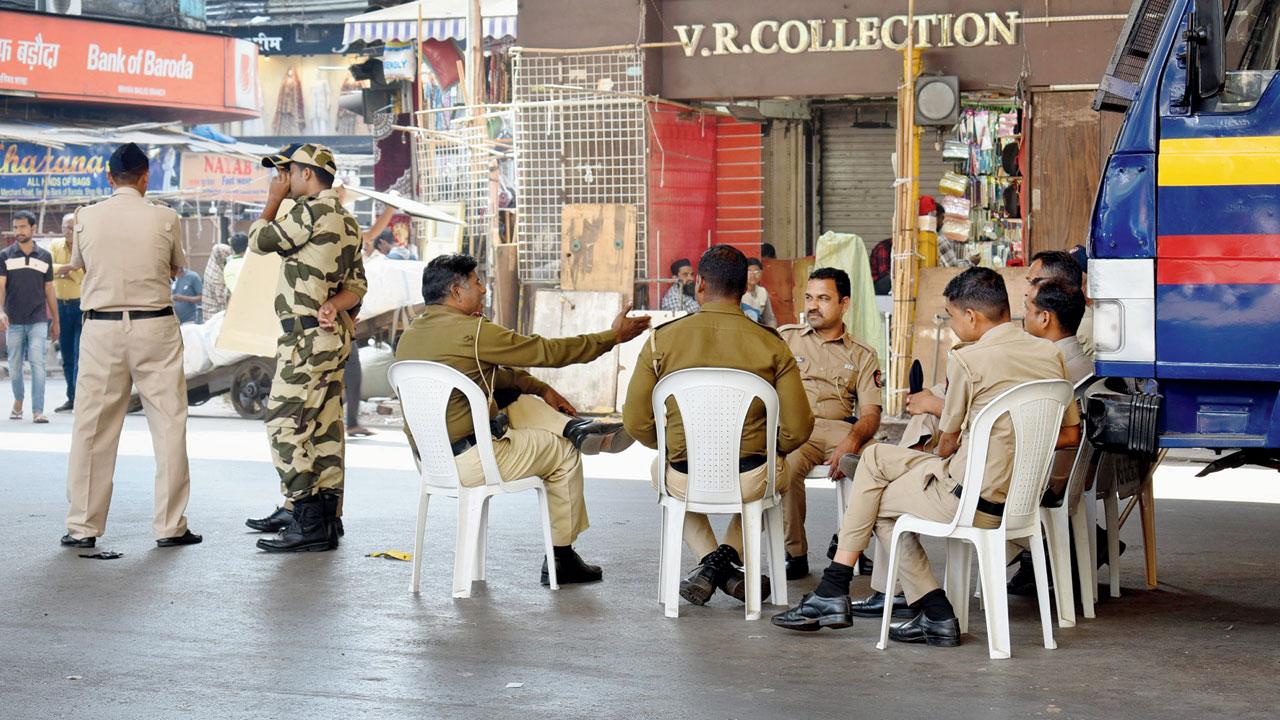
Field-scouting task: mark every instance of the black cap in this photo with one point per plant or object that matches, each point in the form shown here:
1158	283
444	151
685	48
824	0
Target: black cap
127	158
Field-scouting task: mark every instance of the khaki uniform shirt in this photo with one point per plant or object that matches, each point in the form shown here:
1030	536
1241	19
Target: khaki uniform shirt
1005	357
67	288
1085	332
128	248
839	375
320	243
490	355
719	335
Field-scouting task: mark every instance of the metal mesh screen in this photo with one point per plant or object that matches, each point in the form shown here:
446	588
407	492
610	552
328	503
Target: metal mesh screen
1138	38
453	169
579	138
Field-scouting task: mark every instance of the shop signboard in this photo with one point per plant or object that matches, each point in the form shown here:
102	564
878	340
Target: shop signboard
35	173
215	176
291	39
92	61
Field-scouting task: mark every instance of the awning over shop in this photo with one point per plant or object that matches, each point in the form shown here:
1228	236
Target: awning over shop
441	20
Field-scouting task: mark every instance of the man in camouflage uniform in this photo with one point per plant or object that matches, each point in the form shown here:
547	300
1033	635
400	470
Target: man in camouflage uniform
321	281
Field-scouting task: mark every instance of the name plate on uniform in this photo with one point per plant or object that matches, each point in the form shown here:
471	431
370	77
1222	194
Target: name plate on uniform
251	325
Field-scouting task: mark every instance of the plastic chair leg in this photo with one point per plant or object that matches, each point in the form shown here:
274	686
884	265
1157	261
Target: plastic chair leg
995	598
751	530
1087	572
891	578
415	579
1111	505
662	554
956	582
1091	514
463	544
1056	530
1042	591
671	543
482	540
777	555
547	541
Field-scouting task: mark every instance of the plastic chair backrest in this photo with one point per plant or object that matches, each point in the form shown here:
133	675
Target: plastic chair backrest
424	389
713	405
1084	454
1036	409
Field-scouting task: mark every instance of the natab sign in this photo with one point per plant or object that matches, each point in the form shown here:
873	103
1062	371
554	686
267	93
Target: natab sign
794	37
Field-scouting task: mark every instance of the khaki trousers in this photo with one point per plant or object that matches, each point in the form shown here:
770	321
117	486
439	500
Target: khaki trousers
115	354
698	534
824	438
535	445
921	430
892	481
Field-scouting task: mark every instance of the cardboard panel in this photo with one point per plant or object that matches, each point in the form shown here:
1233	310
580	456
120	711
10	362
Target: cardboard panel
251	325
591	387
629	352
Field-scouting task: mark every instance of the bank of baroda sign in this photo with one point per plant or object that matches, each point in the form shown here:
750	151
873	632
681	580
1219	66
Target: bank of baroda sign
767	37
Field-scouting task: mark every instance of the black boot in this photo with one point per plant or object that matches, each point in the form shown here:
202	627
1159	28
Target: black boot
332	521
592	437
273	523
734	582
308	531
701	583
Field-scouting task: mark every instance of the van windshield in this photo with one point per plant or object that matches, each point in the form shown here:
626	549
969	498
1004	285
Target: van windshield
1253	53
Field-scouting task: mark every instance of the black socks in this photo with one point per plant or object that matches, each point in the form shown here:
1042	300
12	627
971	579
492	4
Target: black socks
562	551
936	606
835	581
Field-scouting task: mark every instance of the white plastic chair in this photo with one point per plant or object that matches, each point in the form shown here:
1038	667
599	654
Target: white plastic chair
424	389
1035	409
1068	523
713	406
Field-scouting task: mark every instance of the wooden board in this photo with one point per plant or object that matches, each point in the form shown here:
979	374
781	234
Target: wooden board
932	341
598	248
629	352
1066	163
779	279
591	387
506	285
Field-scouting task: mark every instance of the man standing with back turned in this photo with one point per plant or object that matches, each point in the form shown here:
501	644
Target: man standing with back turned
321	284
128	248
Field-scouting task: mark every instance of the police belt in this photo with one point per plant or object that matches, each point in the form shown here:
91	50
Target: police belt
131	314
306	321
984	505
746	464
463	444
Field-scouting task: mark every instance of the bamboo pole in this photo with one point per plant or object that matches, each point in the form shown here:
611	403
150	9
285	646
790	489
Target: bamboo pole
905	263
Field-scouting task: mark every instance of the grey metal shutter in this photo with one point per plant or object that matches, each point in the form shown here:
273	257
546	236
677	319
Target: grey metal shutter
855	191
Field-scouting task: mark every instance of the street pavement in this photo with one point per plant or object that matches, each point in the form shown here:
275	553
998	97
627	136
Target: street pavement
220	630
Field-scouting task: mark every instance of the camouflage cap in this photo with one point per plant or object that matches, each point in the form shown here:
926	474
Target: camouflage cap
304	153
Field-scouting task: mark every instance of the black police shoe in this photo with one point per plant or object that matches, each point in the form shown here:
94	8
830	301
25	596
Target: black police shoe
571	570
186	538
592	437
331	502
734	583
797	567
872	606
815	612
74	542
309	530
701	584
273	523
920	629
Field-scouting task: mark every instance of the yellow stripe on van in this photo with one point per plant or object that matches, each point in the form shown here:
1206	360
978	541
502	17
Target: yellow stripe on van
1219	161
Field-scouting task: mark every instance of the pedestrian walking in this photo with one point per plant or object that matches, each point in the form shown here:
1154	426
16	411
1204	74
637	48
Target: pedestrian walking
128	249
322	282
28	312
66	288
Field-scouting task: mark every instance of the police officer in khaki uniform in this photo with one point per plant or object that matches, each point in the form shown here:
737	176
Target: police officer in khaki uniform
321	284
891	481
843	384
128	248
718	335
543	438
